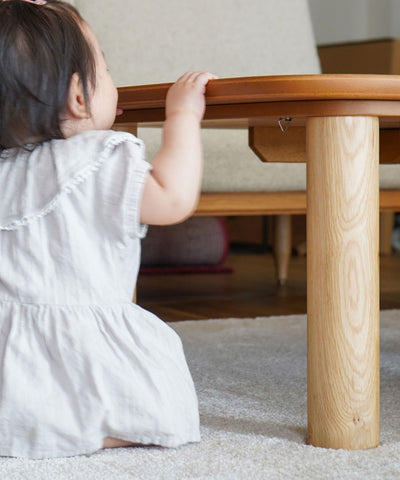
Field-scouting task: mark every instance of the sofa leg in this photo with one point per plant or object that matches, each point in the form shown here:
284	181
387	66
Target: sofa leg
282	246
386	224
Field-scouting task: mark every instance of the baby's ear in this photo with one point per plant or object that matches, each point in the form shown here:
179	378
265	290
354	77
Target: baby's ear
76	106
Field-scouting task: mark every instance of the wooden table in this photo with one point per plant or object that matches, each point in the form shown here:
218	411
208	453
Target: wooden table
342	115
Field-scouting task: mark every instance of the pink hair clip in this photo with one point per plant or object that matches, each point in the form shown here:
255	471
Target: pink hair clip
35	2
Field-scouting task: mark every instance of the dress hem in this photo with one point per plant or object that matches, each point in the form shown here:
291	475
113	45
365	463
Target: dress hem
93	447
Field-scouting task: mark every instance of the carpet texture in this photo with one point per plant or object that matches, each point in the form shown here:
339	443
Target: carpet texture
250	376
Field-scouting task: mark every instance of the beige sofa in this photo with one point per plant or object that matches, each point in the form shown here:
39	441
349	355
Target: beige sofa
155	41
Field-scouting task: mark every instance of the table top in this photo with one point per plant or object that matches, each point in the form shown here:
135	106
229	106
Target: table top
263	100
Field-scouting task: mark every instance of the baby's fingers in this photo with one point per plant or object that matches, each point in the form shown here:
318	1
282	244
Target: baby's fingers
187	94
197	77
202	78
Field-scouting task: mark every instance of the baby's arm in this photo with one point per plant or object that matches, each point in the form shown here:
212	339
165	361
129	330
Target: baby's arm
172	189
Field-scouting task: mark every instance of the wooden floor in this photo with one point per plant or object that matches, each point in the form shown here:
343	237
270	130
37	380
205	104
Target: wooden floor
249	291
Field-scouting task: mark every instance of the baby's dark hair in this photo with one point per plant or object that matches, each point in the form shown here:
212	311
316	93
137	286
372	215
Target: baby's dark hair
41	47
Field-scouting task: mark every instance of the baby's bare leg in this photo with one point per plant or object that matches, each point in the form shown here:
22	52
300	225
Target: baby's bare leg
110	442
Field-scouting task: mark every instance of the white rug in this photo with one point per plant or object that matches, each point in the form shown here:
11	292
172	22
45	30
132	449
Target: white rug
250	376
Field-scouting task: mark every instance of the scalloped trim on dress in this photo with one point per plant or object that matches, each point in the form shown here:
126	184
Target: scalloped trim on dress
70	186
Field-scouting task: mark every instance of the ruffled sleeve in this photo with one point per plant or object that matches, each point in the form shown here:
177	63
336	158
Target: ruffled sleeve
121	181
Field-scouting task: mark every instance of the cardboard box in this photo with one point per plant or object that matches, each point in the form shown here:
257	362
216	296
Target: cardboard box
373	56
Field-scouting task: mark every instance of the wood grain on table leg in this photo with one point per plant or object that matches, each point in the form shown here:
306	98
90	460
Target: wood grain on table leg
343	281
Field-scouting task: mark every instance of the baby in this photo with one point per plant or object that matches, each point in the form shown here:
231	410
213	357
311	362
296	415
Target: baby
84	368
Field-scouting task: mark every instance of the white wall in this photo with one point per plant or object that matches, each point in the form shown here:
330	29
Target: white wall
338	21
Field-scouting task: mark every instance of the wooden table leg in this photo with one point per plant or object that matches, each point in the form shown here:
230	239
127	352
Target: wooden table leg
343	281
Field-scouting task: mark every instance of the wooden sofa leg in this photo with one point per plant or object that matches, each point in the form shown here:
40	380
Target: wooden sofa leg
386	223
282	246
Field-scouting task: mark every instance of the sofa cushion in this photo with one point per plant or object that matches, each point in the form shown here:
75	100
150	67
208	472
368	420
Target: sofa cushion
155	41
227	153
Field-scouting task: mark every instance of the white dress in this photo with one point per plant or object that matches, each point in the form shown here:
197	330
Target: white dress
78	360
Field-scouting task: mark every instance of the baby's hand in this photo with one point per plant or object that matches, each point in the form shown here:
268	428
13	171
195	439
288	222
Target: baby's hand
187	94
